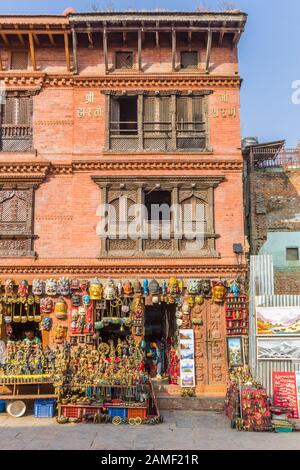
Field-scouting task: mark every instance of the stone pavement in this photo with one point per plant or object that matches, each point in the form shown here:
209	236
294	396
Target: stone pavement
181	430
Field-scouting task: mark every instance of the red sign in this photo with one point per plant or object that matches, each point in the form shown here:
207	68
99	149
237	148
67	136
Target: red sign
285	391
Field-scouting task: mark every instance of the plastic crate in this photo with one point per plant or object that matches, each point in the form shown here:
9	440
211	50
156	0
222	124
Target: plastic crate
44	408
137	413
122	412
2	406
71	411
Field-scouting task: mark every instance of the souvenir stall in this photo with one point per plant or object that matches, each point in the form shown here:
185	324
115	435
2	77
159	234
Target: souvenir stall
89	345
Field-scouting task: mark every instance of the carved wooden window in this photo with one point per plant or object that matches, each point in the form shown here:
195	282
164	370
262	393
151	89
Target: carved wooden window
157	121
16	122
191	122
19	60
189	59
124	60
16	222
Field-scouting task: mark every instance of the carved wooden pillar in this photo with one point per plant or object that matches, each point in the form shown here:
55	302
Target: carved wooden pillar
75	55
140	50
105	49
140	201
173	122
173	49
107	121
140	122
175	222
104	200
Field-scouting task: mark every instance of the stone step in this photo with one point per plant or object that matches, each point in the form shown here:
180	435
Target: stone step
204	403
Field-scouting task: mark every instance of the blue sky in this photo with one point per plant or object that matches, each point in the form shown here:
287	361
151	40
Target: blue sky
269	55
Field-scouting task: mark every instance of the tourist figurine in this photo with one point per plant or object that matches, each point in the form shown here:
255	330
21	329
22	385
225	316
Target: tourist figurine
120	288
164	287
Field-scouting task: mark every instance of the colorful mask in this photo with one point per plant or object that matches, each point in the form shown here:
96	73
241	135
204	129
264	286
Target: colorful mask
127	287
23	288
137	287
199	300
38	287
218	292
154	287
46	323
86	299
63	287
61	309
76	300
205	288
51	287
172	286
194	287
75	284
84	285
46	305
145	287
234	288
96	290
191	301
110	290
9	286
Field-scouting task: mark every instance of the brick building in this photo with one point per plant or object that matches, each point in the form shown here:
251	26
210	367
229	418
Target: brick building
272	189
138	105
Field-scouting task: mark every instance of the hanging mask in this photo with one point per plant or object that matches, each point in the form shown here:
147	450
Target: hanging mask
86	299
218	292
61	309
127	288
38	287
23	288
110	290
205	288
154	287
75	284
137	287
145	287
51	287
46	305
193	286
9	286
63	286
96	290
76	300
234	288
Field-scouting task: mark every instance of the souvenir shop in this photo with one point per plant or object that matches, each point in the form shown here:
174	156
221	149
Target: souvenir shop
90	348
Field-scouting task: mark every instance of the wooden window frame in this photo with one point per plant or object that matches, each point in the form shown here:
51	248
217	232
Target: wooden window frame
196	67
116	51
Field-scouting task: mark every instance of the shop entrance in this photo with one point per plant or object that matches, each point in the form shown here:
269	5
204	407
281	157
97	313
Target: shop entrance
160	328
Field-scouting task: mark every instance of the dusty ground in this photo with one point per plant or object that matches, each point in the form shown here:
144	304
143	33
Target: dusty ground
181	430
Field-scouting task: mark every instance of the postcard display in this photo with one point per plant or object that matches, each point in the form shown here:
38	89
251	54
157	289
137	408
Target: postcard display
187	358
285	389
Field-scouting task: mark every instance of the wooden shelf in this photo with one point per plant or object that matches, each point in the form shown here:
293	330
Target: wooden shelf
26	397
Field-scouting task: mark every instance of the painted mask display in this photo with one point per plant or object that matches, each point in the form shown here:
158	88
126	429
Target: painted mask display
193	287
76	300
96	290
234	288
127	288
38	287
9	286
218	292
110	290
23	288
46	305
205	288
61	309
51	287
63	286
154	287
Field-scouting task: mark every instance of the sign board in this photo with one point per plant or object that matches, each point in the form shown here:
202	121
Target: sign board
285	391
187	358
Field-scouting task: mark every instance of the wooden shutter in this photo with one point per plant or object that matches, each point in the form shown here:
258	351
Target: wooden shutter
24	111
197	112
182	112
124	60
114	114
10	111
149	112
189	59
164	111
19	60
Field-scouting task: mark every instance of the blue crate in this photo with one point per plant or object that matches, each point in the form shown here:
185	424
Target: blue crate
2	406
122	412
44	408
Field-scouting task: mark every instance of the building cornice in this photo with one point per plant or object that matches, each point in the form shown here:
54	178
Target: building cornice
158	268
36	81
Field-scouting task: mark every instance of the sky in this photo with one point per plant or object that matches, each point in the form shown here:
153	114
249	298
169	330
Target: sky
269	54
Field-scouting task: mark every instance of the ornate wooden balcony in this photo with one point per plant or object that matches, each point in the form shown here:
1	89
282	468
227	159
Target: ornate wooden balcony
16	138
269	157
